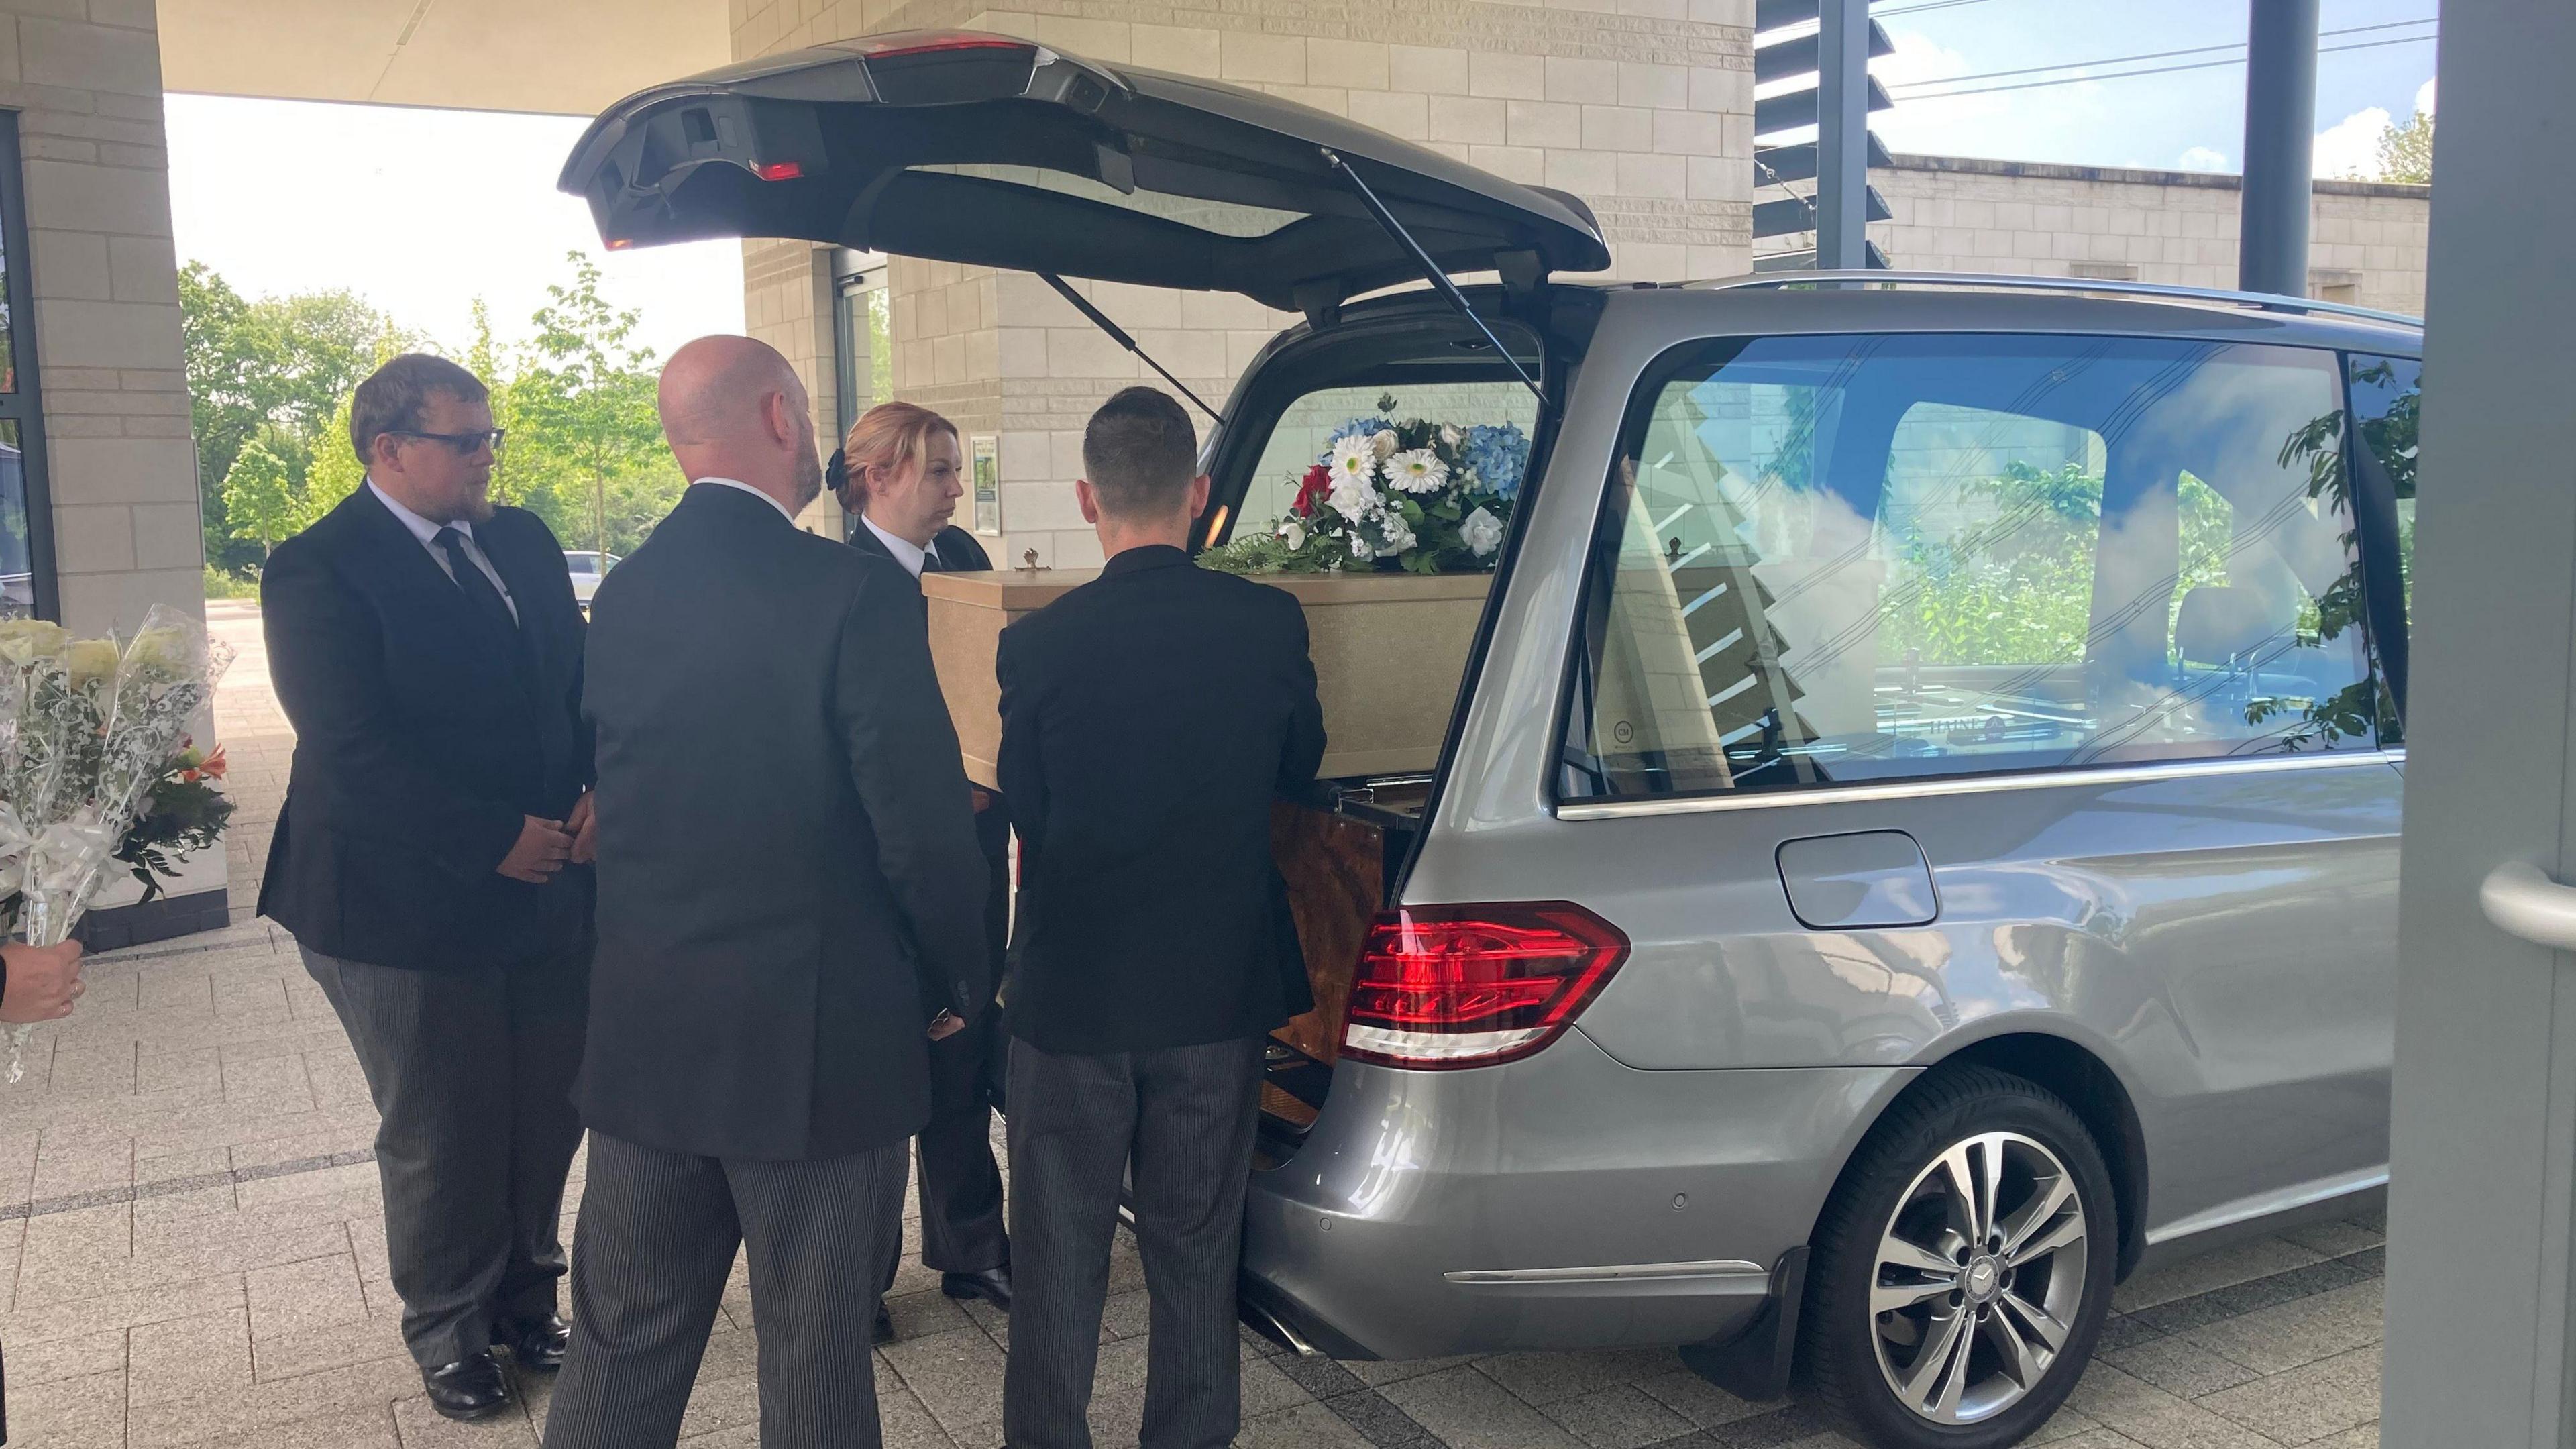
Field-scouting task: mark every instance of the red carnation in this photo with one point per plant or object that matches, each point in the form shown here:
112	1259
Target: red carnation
1319	481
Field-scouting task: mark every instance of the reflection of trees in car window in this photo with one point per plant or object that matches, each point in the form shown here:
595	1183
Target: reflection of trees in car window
1973	554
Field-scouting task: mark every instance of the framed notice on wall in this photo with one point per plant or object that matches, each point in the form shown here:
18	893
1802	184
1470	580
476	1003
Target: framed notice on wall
985	477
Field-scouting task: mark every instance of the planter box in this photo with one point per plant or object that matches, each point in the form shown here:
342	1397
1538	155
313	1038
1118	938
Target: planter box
1389	651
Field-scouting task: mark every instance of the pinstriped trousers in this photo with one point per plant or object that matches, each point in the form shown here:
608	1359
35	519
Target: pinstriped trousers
1185	1117
651	1252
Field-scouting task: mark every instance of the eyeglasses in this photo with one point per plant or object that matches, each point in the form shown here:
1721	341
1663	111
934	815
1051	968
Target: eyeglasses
466	445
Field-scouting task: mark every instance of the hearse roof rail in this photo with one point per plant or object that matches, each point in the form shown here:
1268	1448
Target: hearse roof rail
2264	301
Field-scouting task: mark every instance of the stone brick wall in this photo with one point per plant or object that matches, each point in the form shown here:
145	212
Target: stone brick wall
1642	107
85	79
1962	214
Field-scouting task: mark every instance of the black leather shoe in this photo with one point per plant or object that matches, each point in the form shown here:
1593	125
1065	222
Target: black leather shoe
537	1345
993	1285
468	1389
884	1330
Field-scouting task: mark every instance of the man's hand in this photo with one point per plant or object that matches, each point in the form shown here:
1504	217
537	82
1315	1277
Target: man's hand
542	849
945	1025
983	798
44	981
584	826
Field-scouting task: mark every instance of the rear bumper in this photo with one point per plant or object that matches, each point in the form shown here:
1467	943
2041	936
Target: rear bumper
1563	1202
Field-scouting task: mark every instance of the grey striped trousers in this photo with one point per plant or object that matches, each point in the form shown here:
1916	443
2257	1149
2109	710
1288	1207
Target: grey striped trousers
656	1239
1185	1116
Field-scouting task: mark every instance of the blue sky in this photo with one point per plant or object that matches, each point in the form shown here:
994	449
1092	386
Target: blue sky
2188	119
425	211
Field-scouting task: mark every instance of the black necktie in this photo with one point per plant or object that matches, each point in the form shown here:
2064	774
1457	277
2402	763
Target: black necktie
478	588
930	560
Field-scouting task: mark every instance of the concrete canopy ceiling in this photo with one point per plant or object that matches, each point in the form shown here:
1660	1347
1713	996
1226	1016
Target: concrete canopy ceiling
567	57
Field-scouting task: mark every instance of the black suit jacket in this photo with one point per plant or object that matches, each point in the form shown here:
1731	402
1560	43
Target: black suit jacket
1148	719
423	738
789	887
957	550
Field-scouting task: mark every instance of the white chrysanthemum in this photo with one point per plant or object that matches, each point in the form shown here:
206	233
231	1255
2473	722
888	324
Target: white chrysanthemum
1384	442
1354	456
1417	470
1352	497
1293	534
1482	532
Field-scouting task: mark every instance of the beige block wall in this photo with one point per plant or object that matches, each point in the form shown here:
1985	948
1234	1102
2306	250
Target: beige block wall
1642	107
85	79
1958	214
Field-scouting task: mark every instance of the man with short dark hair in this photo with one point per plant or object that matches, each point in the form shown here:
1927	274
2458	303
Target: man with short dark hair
427	649
1148	719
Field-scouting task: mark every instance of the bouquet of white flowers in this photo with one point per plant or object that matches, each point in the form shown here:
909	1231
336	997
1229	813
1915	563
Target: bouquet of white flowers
1413	494
86	729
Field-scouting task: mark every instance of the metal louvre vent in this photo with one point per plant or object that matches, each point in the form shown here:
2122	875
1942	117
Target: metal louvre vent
1786	48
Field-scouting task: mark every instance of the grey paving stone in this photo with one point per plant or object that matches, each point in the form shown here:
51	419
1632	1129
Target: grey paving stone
1306	1426
1266	1390
2256	1259
1544	1378
2301	1332
119	1311
2155	1418
186	1357
2335	1238
78	1357
79	1412
2306	1403
2179	1366
1701	1402
1625	1417
1466	1409
957	1376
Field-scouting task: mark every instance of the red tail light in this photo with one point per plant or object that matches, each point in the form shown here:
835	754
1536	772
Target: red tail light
1472	986
778	170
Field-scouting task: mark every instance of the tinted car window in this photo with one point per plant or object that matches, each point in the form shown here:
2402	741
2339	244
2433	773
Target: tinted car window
2387	392
1868	558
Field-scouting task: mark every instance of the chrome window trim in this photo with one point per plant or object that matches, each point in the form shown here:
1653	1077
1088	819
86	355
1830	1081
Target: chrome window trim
1934	785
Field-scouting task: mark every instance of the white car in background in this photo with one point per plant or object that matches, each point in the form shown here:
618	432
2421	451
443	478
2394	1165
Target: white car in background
586	573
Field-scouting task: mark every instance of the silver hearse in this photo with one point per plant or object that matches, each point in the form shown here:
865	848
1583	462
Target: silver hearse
1916	837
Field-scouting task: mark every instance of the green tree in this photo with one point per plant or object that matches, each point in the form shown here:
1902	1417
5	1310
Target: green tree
2406	150
262	487
593	462
285	364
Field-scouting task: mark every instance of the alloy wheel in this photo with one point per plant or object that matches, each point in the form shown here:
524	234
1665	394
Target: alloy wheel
1980	1278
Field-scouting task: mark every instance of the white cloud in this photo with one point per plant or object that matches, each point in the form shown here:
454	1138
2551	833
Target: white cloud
2424	98
2350	147
2202	158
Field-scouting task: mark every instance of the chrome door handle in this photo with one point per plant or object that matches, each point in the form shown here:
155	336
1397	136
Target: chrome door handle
2524	902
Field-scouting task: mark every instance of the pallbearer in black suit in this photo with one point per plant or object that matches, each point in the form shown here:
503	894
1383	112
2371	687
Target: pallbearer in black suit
1148	718
427	649
898	476
791	906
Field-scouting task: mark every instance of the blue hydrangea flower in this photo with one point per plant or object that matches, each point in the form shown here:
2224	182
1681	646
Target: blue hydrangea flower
1497	453
1350	426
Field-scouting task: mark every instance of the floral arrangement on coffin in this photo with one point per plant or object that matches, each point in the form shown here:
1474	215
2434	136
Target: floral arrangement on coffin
1416	495
93	745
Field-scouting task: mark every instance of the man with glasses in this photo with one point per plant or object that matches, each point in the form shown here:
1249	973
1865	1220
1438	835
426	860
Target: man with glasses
429	860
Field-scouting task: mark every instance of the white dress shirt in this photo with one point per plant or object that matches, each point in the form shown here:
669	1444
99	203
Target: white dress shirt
427	532
905	551
741	487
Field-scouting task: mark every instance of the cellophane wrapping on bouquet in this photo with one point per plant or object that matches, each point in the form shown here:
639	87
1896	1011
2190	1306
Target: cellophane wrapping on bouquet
94	727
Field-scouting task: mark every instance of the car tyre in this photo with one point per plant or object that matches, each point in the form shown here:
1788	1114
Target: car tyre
1962	1269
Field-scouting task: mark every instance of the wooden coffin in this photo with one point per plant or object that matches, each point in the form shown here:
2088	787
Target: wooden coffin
1389	650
